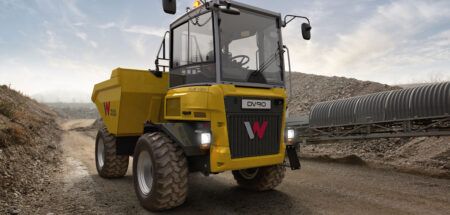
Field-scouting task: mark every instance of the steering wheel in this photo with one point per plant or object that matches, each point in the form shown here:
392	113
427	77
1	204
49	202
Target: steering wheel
241	59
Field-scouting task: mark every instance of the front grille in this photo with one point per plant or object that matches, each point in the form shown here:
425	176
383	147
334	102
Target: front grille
241	144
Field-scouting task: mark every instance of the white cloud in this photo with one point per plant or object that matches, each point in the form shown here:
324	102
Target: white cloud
386	41
6	5
146	30
391	41
139	45
134	29
82	35
53	42
441	39
79	24
59	75
71	5
93	44
107	25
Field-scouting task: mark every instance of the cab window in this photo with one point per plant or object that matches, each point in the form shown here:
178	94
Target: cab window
193	52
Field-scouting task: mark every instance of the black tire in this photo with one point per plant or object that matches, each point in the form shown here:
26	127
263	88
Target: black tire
260	179
168	186
109	165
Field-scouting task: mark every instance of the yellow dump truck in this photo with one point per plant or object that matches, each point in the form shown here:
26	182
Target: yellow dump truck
221	107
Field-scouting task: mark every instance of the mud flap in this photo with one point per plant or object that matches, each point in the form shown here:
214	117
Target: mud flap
293	158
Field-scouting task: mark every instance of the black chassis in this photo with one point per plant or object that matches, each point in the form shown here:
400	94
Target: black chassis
184	134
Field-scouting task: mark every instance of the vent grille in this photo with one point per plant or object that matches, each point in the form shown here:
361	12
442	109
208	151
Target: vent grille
199	114
173	107
241	145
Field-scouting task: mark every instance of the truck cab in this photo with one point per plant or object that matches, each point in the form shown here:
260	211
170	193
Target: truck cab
209	46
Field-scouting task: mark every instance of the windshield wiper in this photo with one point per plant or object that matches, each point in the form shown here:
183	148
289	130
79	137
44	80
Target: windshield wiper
264	66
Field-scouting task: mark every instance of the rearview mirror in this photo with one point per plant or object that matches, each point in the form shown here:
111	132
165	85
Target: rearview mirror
169	6
306	31
229	10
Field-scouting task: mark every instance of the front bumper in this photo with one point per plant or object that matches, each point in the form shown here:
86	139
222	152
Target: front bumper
221	160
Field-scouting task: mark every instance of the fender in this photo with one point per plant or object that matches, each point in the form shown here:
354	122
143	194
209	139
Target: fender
184	134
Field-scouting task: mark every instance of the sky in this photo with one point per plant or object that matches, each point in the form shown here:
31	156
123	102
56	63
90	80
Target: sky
56	50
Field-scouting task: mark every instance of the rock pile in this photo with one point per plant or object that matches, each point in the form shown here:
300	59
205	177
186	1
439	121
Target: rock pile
310	89
423	155
29	151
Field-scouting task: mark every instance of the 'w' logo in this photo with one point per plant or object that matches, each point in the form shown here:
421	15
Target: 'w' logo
257	129
107	107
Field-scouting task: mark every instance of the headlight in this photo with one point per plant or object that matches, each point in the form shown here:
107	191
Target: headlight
205	140
290	133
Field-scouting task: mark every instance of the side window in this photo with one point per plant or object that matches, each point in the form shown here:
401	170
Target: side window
180	45
201	41
193	52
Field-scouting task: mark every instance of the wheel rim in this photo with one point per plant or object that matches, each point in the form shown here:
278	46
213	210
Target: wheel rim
100	153
145	172
249	173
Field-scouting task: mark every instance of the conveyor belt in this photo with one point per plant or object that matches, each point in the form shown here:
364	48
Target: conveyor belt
414	112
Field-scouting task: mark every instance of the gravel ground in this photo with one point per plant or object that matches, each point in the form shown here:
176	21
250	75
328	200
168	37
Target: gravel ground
424	155
318	188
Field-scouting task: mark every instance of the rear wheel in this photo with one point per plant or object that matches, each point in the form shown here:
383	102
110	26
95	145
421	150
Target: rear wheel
108	163
260	179
160	172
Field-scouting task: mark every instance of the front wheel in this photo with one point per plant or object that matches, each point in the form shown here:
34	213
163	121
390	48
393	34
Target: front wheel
261	178
160	172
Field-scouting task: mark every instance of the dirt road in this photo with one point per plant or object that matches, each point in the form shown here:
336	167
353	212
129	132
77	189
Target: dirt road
319	188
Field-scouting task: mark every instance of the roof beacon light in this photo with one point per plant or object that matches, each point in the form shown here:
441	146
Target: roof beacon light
197	3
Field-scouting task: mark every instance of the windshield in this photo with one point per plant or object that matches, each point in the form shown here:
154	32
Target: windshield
249	48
